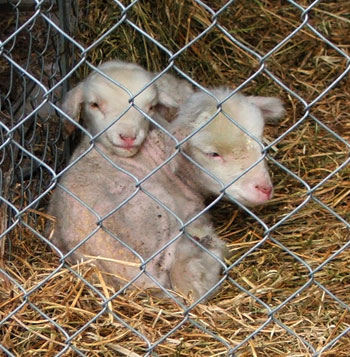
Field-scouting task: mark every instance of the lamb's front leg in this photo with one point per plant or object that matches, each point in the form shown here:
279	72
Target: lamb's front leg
194	271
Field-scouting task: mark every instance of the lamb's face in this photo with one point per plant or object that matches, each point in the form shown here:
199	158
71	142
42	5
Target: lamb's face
226	151
107	109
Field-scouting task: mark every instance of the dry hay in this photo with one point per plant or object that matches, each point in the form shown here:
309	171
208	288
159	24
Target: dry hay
307	66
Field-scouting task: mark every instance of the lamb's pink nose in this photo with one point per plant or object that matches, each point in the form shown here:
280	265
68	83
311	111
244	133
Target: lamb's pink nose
265	189
129	140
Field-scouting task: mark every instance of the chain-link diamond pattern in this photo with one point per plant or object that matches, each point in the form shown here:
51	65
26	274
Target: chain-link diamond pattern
40	54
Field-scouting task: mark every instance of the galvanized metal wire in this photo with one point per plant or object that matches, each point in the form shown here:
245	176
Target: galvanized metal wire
32	99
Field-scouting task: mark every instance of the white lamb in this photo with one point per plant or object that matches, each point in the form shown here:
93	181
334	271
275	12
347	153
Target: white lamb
223	148
103	101
127	225
122	239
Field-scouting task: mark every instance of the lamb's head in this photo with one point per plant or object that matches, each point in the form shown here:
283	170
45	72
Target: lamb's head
225	149
119	123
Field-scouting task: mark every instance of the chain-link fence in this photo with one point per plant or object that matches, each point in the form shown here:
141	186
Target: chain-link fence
284	287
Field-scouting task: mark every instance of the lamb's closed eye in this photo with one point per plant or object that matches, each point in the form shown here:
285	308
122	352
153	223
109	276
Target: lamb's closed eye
213	155
94	105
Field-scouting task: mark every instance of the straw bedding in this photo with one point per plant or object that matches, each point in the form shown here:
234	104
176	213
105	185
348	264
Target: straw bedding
306	65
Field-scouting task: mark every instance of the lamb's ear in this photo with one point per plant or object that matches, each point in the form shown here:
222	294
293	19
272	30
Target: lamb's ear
166	106
271	107
172	93
165	98
71	105
201	119
166	85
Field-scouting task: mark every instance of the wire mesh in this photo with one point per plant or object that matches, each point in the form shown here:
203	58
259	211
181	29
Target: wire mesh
40	55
